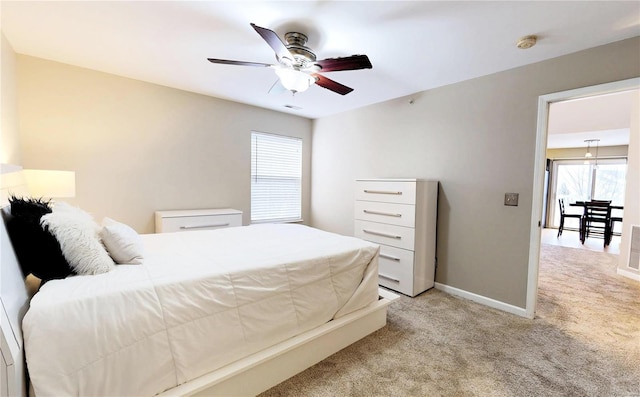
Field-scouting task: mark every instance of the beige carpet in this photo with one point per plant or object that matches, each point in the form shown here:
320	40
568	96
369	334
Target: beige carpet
584	341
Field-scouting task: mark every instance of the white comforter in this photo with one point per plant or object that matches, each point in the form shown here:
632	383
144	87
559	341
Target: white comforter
200	301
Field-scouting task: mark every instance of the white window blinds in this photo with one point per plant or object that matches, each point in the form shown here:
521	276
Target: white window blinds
276	178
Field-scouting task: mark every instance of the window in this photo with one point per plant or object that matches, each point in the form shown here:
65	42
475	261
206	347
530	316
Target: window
276	178
575	181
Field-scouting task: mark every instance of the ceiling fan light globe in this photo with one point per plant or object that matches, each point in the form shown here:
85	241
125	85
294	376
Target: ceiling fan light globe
295	80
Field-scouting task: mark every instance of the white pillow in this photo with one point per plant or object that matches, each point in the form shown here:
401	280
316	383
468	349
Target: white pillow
77	233
122	242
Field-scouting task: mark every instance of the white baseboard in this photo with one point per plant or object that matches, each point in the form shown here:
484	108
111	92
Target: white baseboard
505	307
628	274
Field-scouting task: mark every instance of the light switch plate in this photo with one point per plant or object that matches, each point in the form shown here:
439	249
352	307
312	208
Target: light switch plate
511	199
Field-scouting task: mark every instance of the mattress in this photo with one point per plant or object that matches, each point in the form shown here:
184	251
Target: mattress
200	300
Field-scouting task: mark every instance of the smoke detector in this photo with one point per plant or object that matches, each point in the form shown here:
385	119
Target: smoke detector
527	42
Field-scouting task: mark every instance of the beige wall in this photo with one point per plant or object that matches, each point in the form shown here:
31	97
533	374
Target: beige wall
9	138
138	147
632	193
478	138
578	153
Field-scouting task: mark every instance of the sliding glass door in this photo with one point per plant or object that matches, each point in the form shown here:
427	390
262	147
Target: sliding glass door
573	180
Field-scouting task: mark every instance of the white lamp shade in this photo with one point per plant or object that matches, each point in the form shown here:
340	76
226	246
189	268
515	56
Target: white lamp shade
49	184
12	183
295	80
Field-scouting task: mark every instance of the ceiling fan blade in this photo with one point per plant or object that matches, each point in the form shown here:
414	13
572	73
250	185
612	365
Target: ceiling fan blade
331	85
353	62
241	63
274	42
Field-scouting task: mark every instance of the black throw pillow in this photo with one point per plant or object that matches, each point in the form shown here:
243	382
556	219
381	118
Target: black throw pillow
37	250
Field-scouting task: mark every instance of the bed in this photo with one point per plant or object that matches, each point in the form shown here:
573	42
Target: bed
223	312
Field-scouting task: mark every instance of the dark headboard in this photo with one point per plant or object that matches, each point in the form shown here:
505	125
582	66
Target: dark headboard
14	299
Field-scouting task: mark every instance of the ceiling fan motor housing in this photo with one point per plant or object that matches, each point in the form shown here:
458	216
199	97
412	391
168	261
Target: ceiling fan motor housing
296	46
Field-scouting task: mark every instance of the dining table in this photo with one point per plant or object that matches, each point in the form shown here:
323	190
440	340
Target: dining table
581	204
613	218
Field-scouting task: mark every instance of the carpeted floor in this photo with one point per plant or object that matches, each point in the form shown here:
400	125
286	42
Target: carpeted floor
584	341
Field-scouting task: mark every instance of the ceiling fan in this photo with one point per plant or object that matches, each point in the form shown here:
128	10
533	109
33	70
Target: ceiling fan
297	68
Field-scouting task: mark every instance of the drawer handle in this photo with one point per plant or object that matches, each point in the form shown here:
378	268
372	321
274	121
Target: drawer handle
382	234
397	280
393	258
382	213
382	192
204	226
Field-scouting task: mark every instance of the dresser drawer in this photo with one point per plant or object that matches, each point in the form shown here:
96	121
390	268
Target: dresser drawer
395	269
396	236
391	213
386	191
188	220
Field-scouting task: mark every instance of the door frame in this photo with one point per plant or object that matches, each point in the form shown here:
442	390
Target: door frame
539	170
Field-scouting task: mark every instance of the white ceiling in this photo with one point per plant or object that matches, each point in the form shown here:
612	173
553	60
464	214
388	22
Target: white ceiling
413	46
604	117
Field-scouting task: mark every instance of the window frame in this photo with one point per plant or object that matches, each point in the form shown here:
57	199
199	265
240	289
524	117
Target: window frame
298	179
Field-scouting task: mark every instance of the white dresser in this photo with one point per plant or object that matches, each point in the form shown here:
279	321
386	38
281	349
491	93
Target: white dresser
186	220
400	215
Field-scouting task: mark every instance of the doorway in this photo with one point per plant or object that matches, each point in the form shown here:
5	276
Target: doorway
544	103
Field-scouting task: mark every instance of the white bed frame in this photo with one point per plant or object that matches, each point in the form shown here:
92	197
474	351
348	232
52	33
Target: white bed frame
246	377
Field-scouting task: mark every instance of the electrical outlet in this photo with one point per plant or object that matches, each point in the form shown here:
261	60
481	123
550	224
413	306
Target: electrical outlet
511	199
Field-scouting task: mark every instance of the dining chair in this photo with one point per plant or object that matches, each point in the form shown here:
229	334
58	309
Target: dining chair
563	215
616	216
596	221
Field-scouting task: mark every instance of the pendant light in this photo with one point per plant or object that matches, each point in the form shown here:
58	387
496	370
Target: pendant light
588	154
